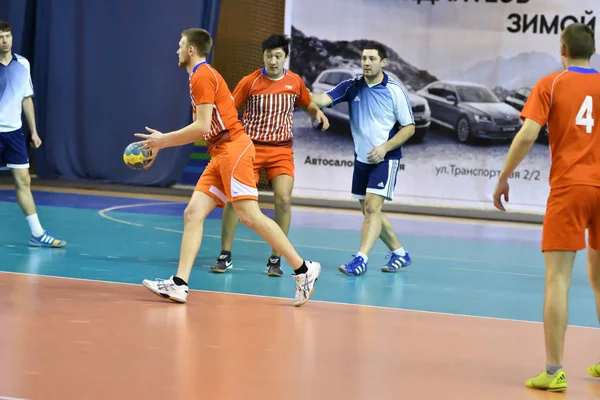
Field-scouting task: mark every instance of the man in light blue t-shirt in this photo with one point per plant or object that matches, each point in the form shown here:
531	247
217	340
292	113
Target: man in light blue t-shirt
16	92
381	121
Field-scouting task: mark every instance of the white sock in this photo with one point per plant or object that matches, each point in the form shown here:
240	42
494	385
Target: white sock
399	252
34	224
363	255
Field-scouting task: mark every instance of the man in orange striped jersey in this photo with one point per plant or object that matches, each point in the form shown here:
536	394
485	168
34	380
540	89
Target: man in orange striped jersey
270	95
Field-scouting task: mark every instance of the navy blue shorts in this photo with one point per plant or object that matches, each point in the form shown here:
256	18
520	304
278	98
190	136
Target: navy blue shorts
378	179
13	150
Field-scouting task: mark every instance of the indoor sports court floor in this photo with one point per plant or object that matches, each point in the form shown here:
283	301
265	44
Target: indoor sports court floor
461	323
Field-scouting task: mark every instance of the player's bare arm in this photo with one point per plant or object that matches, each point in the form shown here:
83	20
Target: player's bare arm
314	111
28	110
196	130
321	99
377	154
519	148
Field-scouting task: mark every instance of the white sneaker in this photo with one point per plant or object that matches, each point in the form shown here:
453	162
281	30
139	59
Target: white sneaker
305	283
168	289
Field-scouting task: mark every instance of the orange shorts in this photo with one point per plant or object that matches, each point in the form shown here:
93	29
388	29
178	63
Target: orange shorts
570	210
229	176
276	160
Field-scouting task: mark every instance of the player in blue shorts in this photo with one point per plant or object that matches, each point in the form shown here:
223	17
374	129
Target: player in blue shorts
16	91
381	121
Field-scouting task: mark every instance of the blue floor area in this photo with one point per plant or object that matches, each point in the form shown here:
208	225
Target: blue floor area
469	268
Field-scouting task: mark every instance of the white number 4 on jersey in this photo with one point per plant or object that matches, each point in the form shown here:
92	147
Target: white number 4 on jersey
584	116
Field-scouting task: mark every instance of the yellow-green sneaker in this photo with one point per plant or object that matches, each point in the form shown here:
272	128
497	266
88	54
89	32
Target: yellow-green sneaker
551	383
594	370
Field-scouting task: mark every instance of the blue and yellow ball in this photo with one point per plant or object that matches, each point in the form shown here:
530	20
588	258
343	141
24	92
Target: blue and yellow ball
136	158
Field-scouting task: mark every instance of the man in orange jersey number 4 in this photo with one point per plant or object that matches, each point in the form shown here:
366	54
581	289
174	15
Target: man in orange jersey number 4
229	176
568	101
270	95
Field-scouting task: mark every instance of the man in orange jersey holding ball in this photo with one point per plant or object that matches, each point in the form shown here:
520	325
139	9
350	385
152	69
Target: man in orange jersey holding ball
229	176
270	95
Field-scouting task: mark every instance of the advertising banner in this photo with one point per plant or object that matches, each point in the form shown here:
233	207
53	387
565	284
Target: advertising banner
468	65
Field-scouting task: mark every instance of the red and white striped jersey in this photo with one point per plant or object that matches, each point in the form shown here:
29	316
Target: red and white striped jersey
207	86
270	104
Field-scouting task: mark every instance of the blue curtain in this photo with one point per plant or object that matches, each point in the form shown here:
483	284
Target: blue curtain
103	70
20	15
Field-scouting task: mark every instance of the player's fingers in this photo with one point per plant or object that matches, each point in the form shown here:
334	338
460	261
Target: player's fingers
495	198
150	130
141	135
142	143
498	202
149	164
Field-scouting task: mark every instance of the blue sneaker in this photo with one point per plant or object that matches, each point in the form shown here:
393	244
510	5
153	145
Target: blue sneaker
46	240
356	267
396	262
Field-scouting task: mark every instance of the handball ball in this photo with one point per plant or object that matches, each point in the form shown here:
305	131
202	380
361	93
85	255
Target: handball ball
136	158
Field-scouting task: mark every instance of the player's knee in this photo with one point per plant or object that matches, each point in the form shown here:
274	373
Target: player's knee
283	202
372	207
593	262
22	180
558	269
250	219
192	214
248	213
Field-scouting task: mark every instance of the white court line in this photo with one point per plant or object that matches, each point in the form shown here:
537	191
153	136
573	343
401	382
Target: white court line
104	211
335	303
495	272
308	246
10	398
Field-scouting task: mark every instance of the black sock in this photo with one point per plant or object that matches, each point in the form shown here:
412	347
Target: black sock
225	253
179	282
302	269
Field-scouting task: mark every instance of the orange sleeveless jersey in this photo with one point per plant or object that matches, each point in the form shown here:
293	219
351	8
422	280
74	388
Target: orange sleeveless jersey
270	104
569	101
207	86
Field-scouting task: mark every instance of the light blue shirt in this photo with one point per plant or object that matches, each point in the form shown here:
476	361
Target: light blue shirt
15	85
376	113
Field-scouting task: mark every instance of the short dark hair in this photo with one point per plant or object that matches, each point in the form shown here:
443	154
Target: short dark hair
5	26
375	46
200	39
579	40
275	42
